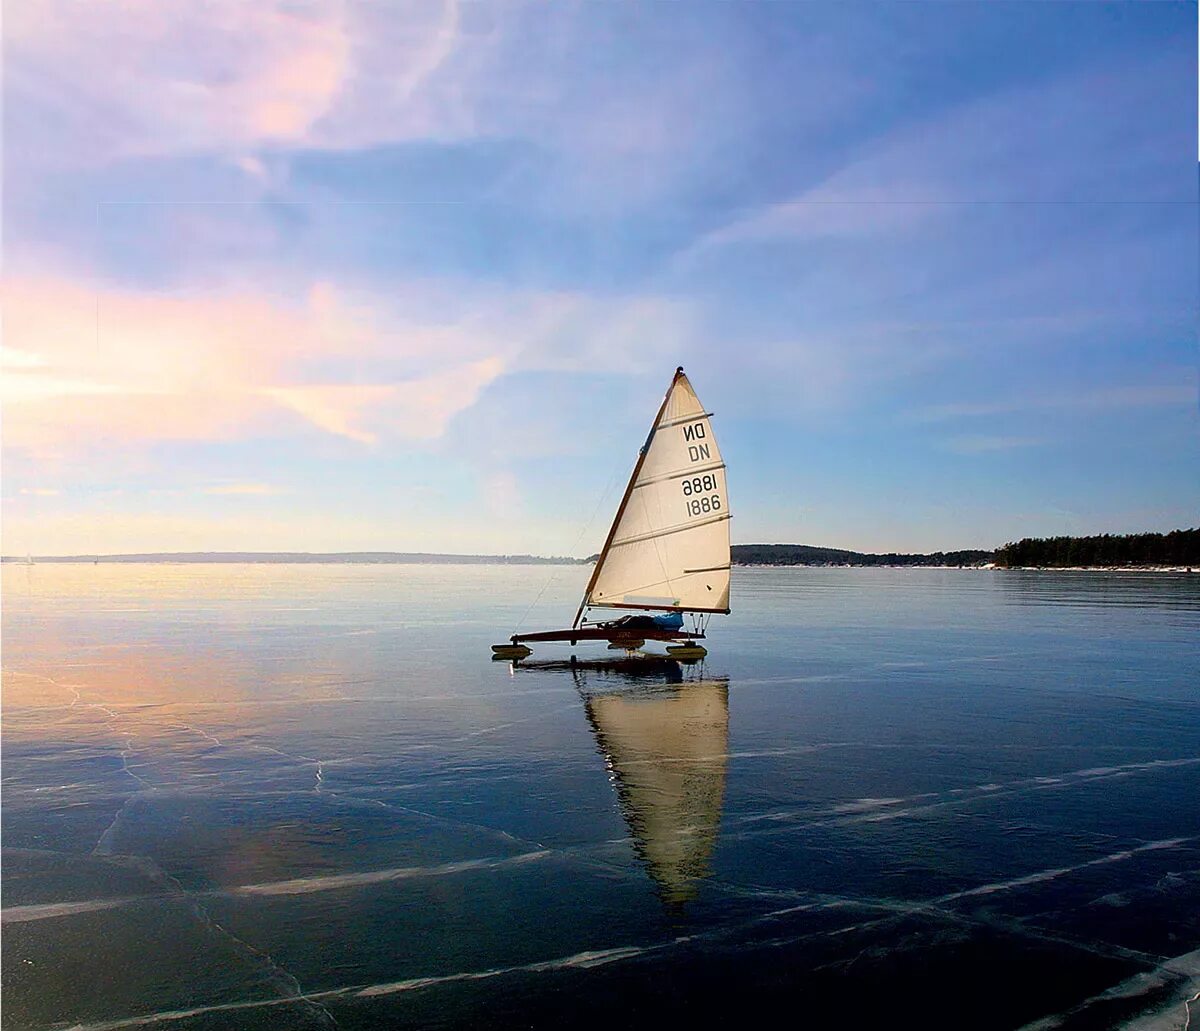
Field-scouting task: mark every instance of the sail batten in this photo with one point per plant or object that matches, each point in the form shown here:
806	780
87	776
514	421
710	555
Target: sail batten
679	476
654	608
668	547
666	532
667	423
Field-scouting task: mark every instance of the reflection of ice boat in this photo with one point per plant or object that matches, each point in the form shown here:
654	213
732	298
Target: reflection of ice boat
667	749
667	551
632	667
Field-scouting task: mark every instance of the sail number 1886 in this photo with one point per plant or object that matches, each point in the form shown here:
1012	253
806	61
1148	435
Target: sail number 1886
699	505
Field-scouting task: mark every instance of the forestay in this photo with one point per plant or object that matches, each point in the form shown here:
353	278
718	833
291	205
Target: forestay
669	545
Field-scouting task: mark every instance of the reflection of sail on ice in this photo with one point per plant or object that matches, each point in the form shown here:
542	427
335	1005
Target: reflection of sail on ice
667	749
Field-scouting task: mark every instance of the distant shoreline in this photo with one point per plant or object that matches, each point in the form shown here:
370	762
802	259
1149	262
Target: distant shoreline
435	558
987	568
1174	552
1099	569
294	558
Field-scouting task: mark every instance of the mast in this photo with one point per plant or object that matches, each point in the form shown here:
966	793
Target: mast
612	530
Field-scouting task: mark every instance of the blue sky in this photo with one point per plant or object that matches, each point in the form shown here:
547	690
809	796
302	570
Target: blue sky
349	276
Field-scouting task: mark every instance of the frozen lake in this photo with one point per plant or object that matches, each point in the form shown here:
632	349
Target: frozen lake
304	796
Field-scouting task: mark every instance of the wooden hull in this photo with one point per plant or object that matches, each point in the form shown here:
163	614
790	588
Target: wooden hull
616	635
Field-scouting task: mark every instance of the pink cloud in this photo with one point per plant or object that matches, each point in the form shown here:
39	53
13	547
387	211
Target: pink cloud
97	368
103	370
334	408
155	76
250	489
421	408
169	76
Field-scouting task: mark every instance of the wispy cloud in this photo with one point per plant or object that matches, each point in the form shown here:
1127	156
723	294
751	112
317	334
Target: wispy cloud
335	408
1020	145
159	76
141	367
252	489
608	122
1099	400
829	211
982	444
147	367
41	492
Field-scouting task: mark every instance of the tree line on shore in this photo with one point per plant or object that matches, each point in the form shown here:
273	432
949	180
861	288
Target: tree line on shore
1177	548
805	555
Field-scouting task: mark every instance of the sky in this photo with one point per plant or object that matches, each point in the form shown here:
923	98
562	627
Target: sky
341	276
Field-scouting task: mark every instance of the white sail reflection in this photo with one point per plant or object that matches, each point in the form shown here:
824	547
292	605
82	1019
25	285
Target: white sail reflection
667	748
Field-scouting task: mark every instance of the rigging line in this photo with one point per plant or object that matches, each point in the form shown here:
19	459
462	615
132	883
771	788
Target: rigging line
586	526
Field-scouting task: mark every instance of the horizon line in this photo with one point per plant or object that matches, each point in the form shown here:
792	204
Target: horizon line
403	557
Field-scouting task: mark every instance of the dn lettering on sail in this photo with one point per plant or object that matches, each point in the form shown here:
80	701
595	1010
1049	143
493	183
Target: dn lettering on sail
695	432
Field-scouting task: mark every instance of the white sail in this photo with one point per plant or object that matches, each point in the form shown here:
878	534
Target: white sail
669	545
667	750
